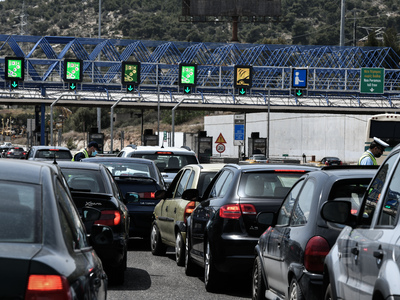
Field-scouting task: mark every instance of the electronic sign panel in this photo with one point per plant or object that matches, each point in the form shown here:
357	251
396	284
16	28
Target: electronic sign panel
243	77
187	74
130	73
15	68
73	70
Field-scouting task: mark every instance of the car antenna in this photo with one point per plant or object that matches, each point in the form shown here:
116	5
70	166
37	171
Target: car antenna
55	160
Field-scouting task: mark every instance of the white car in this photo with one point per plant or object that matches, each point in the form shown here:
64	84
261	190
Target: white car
169	160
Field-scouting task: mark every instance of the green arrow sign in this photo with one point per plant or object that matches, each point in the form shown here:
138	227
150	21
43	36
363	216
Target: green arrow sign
187	90
72	86
242	91
130	88
14	84
299	93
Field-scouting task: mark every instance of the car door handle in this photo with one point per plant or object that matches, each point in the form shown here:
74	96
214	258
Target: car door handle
166	209
175	210
378	254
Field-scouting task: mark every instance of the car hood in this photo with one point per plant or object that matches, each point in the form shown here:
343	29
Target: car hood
15	262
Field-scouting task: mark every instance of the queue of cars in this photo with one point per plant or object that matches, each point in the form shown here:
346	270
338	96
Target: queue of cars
297	231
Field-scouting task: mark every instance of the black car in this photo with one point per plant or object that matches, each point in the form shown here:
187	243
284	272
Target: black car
15	152
331	161
222	230
290	253
92	185
44	250
138	179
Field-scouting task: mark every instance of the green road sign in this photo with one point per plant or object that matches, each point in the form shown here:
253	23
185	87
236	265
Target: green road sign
14	84
130	73
187	90
72	86
130	88
242	91
187	75
372	80
73	70
14	68
299	93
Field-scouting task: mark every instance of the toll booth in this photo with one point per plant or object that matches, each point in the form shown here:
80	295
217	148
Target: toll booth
204	147
150	139
256	145
97	137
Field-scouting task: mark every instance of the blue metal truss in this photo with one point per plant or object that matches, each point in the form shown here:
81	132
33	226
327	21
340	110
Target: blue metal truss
331	69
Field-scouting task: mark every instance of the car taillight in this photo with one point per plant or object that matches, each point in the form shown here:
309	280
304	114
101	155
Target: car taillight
234	211
314	255
47	287
147	195
188	210
109	218
327	163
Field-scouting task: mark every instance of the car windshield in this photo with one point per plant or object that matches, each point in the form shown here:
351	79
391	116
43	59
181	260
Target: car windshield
84	180
20	211
166	161
267	184
50	153
130	169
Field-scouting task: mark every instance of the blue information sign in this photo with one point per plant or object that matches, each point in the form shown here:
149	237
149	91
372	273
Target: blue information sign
299	78
239	132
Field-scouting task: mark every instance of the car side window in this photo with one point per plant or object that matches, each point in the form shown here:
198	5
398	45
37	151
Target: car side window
220	185
190	181
287	205
389	210
182	184
302	208
73	228
374	192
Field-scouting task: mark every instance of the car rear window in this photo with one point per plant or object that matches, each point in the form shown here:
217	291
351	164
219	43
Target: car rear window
84	180
267	184
130	169
168	162
20	207
49	154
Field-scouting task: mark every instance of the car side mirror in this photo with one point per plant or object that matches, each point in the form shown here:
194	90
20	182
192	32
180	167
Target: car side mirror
337	212
132	197
101	235
90	214
191	195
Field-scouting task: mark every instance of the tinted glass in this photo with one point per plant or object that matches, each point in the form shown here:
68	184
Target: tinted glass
302	208
49	154
218	184
287	205
20	212
388	214
168	162
130	169
204	180
375	190
84	180
267	184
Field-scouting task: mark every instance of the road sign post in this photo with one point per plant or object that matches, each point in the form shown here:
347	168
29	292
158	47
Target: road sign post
372	80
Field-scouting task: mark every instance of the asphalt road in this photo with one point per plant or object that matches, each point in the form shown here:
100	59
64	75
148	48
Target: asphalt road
159	277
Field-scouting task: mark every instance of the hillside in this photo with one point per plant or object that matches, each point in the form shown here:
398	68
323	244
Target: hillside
306	22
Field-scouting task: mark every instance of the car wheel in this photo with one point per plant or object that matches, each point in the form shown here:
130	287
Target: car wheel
211	275
179	250
328	293
294	291
258	285
157	247
190	267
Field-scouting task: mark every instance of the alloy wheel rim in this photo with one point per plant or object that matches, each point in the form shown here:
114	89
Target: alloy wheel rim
178	246
255	282
293	294
207	264
153	238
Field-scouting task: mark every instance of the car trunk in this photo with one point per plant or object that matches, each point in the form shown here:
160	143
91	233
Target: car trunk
15	261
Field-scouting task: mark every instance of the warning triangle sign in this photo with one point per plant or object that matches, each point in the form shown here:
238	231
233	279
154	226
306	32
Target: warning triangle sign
220	139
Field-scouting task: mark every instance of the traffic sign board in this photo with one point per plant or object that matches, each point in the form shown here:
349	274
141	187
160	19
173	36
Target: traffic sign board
73	70
187	90
130	88
299	78
372	80
72	86
14	68
243	78
187	75
14	84
130	73
220	148
239	132
220	139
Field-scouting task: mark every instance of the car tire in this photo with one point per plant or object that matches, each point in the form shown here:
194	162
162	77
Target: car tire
157	247
328	293
295	291
179	250
258	285
191	268
211	275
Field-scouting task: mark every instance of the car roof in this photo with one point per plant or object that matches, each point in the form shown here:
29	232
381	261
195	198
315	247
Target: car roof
176	150
101	159
24	170
255	167
49	147
212	167
79	165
